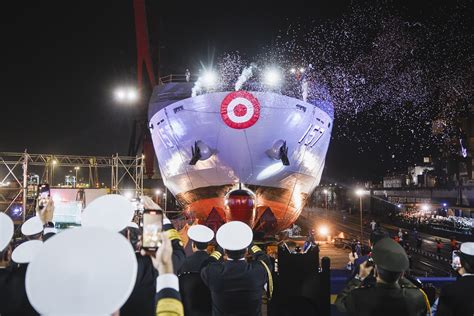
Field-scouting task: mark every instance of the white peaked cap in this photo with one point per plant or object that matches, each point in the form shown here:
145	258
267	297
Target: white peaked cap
49	230
6	230
27	251
234	235
200	233
133	225
82	271
467	248
112	212
32	226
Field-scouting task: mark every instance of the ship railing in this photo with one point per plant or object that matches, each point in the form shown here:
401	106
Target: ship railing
177	78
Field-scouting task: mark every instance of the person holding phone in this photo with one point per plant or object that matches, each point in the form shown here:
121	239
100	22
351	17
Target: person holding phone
167	285
155	224
391	294
44	204
178	251
458	298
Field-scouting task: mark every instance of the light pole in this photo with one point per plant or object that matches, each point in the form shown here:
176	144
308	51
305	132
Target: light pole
54	162
326	193
127	95
157	196
360	193
76	169
165	200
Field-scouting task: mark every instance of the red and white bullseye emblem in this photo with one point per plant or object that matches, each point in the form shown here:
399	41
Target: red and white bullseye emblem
240	109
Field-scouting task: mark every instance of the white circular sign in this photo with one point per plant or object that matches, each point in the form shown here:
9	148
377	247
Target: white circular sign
240	109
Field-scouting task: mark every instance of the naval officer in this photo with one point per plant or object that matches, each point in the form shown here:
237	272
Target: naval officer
200	236
236	285
195	294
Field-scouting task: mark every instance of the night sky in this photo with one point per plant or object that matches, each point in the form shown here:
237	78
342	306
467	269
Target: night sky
62	60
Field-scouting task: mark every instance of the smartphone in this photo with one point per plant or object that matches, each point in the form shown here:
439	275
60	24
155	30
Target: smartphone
456	261
370	262
152	227
44	194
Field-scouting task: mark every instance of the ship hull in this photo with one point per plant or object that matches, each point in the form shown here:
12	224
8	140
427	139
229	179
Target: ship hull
240	154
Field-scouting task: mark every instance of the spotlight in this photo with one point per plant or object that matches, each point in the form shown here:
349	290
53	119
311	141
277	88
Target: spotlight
302	69
126	95
293	70
209	78
271	77
120	94
132	95
323	230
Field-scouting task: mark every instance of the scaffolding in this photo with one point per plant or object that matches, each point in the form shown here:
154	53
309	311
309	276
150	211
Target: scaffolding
14	171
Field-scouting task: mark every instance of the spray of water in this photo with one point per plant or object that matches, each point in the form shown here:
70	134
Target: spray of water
304	89
197	88
244	76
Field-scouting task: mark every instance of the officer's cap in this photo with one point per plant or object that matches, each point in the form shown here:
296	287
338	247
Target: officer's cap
133	225
234	235
26	252
32	226
112	212
6	230
390	256
82	271
200	233
466	251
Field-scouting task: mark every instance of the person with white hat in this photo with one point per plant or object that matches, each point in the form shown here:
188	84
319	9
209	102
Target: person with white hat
49	231
142	299
81	271
112	212
195	294
458	298
237	285
33	228
13	288
6	231
200	236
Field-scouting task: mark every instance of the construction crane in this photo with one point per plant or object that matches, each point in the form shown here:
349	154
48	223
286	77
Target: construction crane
140	139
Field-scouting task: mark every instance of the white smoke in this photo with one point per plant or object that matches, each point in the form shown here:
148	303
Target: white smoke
244	76
197	88
304	88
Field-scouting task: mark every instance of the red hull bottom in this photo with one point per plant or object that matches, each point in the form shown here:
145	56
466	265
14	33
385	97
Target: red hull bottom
276	209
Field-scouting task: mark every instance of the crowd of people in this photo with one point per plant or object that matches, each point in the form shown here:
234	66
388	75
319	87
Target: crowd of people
101	268
437	223
380	284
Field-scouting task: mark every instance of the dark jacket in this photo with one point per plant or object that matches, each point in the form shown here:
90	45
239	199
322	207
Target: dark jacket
194	262
142	300
196	296
12	289
457	298
237	286
382	299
